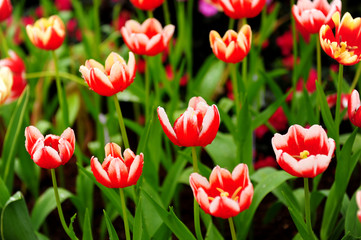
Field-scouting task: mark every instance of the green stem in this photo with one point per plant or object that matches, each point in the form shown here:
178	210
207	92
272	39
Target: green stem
356	78
319	68
61	96
150	14
63	75
234	80
231	226
125	217
244	74
197	224
294	49
121	122
166	13
231	23
96	7
307	207
4	44
147	88
58	203
338	108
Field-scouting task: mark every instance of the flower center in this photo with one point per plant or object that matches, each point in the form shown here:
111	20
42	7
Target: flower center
223	193
304	154
341	48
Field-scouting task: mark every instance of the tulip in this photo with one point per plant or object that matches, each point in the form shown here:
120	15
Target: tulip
52	151
233	47
6	82
242	8
147	4
47	33
116	171
114	78
197	126
5	9
345	45
354	111
17	67
311	15
148	38
358	201
226	194
303	152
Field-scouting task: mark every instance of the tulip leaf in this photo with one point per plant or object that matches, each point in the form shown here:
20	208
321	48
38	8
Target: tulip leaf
264	186
352	224
73	103
71	228
171	220
15	219
45	204
112	233
87	228
4	194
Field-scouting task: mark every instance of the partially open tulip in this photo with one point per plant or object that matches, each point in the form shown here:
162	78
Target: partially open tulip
6	83
148	38
47	33
17	67
116	171
226	194
358	201
114	78
311	15
5	9
303	152
345	45
353	107
197	126
51	151
147	4
242	8
233	47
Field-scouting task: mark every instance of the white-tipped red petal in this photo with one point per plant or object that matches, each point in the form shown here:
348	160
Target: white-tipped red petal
167	128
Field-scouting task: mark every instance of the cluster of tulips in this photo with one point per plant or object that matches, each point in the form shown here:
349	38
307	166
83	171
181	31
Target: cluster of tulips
303	152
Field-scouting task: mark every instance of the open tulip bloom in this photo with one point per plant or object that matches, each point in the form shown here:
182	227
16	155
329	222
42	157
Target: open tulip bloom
242	8
353	108
5	9
52	151
147	4
114	78
6	83
226	194
345	45
197	126
303	152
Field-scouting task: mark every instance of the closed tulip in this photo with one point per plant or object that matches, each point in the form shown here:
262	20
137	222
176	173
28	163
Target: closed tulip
5	9
6	83
47	33
345	45
311	15
148	38
226	194
197	126
242	8
303	152
147	4
233	47
51	151
115	77
353	108
116	171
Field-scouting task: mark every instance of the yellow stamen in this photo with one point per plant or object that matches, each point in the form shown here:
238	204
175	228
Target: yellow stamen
304	154
234	195
341	48
211	198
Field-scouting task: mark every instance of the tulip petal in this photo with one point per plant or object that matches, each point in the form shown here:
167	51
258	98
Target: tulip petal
135	170
167	128
224	207
47	157
99	173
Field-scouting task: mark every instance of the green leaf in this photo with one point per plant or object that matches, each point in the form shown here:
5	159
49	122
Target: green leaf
87	227
171	220
73	102
266	185
223	151
11	138
4	193
244	129
300	224
112	233
71	228
45	204
325	111
352	224
15	220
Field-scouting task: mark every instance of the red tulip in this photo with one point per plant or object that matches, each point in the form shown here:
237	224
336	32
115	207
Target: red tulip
147	4
226	194
148	38
303	152
242	8
47	33
5	9
354	110
197	126
311	15
358	201
116	171
17	67
233	47
345	45
114	78
6	83
51	151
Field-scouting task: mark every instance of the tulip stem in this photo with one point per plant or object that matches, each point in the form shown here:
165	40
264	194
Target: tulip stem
61	96
125	217
231	23
63	75
231	226
338	108
150	14
197	225
4	45
195	160
166	12
307	206
235	88
121	122
58	203
319	69
147	88
356	78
